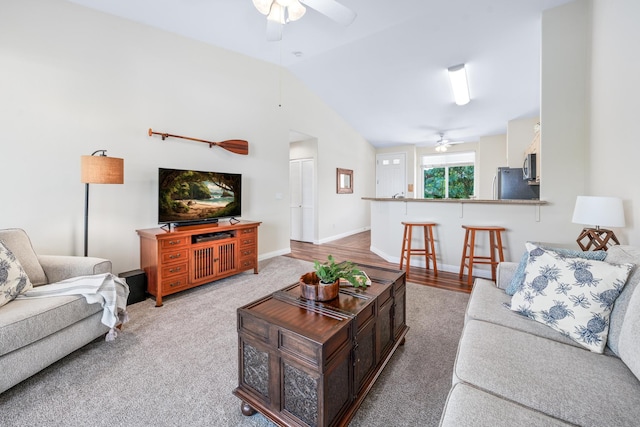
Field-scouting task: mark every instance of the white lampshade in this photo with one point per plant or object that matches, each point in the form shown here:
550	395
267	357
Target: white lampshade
599	211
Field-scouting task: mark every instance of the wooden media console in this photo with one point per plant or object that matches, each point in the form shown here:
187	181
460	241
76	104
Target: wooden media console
191	256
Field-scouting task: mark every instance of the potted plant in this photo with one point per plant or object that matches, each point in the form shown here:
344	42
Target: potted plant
323	283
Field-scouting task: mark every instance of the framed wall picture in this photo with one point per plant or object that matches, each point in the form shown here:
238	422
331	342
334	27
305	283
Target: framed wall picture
344	181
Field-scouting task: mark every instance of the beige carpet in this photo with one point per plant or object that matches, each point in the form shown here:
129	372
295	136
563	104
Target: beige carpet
177	365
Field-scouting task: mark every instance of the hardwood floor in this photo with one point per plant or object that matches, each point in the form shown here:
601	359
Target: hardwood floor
356	248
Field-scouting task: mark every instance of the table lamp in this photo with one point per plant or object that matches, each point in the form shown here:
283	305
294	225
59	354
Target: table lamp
598	211
98	170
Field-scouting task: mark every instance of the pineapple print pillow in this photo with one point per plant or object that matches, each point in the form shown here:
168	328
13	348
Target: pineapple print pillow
13	279
571	295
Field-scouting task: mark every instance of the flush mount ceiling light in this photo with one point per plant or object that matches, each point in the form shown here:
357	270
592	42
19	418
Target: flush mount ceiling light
280	12
459	83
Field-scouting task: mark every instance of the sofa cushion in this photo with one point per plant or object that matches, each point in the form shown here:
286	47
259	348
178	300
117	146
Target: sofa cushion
13	279
470	406
24	321
490	304
619	255
571	295
17	240
629	343
565	382
517	280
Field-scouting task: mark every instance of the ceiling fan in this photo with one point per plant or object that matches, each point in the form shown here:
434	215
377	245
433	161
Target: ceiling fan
443	145
279	12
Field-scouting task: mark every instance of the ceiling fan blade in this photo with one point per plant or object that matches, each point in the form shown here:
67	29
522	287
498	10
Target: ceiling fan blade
334	10
274	31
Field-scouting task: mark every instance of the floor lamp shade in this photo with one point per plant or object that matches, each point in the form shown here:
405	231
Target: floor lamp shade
102	170
98	170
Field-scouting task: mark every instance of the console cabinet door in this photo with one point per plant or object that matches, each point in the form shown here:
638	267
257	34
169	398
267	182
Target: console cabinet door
365	354
399	308
210	261
385	329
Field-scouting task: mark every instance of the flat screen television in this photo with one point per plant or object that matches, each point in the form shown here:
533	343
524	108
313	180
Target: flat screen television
193	197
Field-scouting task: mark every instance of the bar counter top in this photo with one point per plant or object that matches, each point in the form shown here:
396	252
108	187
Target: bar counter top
484	201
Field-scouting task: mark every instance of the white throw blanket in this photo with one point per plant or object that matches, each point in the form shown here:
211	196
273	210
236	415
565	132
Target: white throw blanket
109	290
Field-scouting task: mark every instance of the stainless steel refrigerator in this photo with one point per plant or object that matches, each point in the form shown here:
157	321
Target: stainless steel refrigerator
511	185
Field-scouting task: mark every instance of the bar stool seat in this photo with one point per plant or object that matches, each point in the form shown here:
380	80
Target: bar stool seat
429	251
469	257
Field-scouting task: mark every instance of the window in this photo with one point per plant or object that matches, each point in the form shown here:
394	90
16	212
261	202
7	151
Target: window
449	176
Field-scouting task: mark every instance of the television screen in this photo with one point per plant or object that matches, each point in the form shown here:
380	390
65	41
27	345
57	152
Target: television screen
188	196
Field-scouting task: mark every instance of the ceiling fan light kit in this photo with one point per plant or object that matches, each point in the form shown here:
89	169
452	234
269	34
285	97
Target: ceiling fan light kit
281	11
263	6
459	83
443	145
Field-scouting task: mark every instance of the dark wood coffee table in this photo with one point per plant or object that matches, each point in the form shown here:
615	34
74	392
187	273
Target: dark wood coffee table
304	363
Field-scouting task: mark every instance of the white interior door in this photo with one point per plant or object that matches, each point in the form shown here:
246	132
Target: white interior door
391	175
302	196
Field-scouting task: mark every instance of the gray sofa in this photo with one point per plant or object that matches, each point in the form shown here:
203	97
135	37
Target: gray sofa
35	333
512	371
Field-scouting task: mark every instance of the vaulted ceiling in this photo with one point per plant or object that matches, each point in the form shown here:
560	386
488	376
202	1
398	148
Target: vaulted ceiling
385	74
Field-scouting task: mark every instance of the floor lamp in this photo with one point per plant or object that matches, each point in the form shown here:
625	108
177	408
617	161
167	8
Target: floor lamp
98	169
605	211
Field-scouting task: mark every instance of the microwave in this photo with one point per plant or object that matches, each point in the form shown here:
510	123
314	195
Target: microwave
529	167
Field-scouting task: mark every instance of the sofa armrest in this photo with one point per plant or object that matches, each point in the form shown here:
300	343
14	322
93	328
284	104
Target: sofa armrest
61	267
505	273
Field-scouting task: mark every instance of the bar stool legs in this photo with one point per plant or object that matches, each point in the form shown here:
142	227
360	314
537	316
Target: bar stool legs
429	251
469	258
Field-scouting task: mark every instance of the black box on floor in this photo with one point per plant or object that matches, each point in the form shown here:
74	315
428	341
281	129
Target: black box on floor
137	281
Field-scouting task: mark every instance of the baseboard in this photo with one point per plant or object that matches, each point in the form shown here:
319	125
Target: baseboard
274	254
340	236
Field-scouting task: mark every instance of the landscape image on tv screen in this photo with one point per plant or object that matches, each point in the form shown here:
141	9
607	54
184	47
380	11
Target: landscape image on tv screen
193	196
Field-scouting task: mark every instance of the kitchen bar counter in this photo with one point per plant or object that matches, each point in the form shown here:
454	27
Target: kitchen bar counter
485	201
524	220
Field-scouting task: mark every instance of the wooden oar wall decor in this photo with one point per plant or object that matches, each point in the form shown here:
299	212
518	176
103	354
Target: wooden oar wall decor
238	146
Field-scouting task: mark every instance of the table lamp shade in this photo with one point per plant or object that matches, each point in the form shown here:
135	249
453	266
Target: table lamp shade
102	170
599	211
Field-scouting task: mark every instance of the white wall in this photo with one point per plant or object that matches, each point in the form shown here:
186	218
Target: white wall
339	146
566	34
615	93
520	133
492	154
75	80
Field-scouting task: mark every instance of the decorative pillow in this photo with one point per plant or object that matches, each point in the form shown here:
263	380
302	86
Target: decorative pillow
571	295
13	279
518	276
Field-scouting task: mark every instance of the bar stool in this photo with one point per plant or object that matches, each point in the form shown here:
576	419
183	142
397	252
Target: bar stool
429	251
469	258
